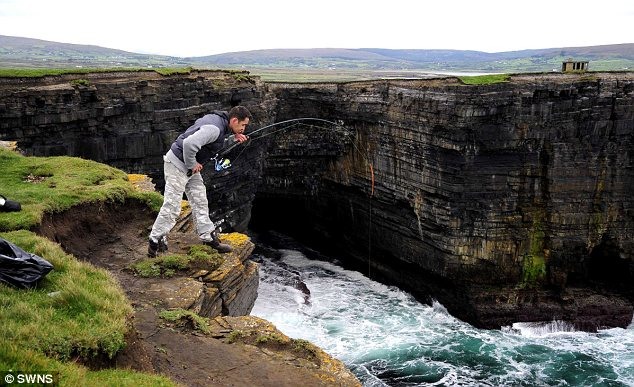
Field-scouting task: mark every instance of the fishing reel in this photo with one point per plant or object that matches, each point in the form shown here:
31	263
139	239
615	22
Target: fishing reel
221	164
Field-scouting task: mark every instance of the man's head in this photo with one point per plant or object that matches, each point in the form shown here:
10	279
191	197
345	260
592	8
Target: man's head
239	118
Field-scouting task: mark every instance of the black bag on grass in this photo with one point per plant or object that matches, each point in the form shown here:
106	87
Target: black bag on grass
7	205
19	268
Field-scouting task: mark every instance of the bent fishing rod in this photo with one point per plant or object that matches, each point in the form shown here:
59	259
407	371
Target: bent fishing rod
221	163
256	134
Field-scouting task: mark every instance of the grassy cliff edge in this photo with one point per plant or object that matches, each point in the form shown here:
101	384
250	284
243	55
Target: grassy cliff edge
78	311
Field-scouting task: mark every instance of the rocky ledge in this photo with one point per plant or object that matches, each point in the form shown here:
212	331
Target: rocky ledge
192	324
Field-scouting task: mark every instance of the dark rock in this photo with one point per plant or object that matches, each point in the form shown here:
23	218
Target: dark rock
504	202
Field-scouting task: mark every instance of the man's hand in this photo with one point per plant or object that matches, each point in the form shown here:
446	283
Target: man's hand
240	137
197	168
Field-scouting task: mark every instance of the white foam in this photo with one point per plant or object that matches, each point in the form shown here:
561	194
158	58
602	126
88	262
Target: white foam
540	329
374	327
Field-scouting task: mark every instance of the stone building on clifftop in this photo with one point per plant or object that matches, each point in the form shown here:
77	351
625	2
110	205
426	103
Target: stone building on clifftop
574	65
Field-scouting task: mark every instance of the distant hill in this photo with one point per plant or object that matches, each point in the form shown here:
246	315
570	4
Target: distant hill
609	57
35	53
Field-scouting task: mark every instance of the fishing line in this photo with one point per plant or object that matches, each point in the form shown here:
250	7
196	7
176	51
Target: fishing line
294	120
248	142
301	122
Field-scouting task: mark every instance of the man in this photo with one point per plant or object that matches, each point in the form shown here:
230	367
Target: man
182	166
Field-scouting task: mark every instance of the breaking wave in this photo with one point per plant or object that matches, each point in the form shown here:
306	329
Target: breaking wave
387	338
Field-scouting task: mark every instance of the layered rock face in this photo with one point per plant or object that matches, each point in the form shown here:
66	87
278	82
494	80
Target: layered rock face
124	119
505	202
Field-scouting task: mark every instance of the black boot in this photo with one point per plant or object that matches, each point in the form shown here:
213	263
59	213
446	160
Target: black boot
152	248
162	244
217	245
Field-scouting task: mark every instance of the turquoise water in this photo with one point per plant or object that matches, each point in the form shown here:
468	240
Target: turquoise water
387	338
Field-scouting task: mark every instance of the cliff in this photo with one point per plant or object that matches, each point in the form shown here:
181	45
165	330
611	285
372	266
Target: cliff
124	119
505	202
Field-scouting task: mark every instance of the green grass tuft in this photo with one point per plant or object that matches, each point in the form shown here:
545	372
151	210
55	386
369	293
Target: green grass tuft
80	82
205	257
270	338
184	317
305	347
147	268
485	79
166	266
236	335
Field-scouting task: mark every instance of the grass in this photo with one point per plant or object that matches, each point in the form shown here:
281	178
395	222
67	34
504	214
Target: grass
42	72
303	345
76	310
235	336
275	339
241	76
186	317
485	79
80	82
53	184
270	338
173	70
201	255
166	266
13	357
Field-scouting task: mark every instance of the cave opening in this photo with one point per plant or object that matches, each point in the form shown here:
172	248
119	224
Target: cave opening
298	192
282	214
607	268
313	222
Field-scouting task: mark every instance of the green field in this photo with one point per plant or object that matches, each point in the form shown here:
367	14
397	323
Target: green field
313	65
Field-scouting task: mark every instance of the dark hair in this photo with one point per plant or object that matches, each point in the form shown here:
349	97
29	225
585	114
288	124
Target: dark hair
240	112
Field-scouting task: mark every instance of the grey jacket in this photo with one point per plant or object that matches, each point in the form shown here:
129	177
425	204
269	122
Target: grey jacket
201	141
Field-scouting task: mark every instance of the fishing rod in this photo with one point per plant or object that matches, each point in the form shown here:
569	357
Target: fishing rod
221	163
255	132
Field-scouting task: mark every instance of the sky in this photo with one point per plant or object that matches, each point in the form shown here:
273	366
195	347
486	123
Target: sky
198	28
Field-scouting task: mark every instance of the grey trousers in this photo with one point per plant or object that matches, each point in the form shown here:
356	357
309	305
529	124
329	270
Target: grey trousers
177	182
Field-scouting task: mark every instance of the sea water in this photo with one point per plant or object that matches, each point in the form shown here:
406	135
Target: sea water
387	338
